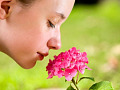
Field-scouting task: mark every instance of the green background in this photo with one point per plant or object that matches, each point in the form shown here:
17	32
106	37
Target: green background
94	29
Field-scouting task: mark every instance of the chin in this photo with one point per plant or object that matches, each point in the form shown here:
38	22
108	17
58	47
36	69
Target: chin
24	62
27	65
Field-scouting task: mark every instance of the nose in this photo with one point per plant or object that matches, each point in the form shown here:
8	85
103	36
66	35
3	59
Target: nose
54	42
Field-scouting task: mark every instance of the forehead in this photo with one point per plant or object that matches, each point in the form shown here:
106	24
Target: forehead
63	7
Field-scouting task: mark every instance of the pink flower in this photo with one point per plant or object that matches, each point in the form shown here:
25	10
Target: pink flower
70	73
67	64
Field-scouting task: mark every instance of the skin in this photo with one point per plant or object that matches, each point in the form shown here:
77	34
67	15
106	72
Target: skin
28	33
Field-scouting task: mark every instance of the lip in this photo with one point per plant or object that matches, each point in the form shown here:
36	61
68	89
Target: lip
45	54
41	56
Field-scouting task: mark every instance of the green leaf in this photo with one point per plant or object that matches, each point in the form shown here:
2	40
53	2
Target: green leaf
65	80
90	78
103	85
70	88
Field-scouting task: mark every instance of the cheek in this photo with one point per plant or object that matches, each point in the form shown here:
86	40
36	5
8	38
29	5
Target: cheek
23	47
26	41
29	42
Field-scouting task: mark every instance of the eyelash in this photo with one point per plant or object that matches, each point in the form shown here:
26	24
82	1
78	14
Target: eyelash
51	24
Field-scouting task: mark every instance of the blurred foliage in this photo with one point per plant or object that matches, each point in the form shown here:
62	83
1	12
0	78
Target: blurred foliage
94	29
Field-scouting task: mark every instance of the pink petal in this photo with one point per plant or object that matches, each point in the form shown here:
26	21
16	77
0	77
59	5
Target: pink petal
68	78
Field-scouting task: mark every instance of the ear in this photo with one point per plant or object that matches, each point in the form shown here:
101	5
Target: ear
5	6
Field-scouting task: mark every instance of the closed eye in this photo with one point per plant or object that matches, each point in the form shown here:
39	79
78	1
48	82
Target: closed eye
51	24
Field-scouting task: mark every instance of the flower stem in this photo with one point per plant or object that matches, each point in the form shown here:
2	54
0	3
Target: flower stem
77	78
73	81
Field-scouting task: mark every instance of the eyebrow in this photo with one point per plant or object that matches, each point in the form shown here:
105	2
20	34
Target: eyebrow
62	16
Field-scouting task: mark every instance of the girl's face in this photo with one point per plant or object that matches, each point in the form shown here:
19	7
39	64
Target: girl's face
30	32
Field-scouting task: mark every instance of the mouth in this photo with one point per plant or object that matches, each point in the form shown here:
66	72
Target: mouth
41	56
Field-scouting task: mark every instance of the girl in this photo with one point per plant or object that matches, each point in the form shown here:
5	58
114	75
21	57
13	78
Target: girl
30	28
